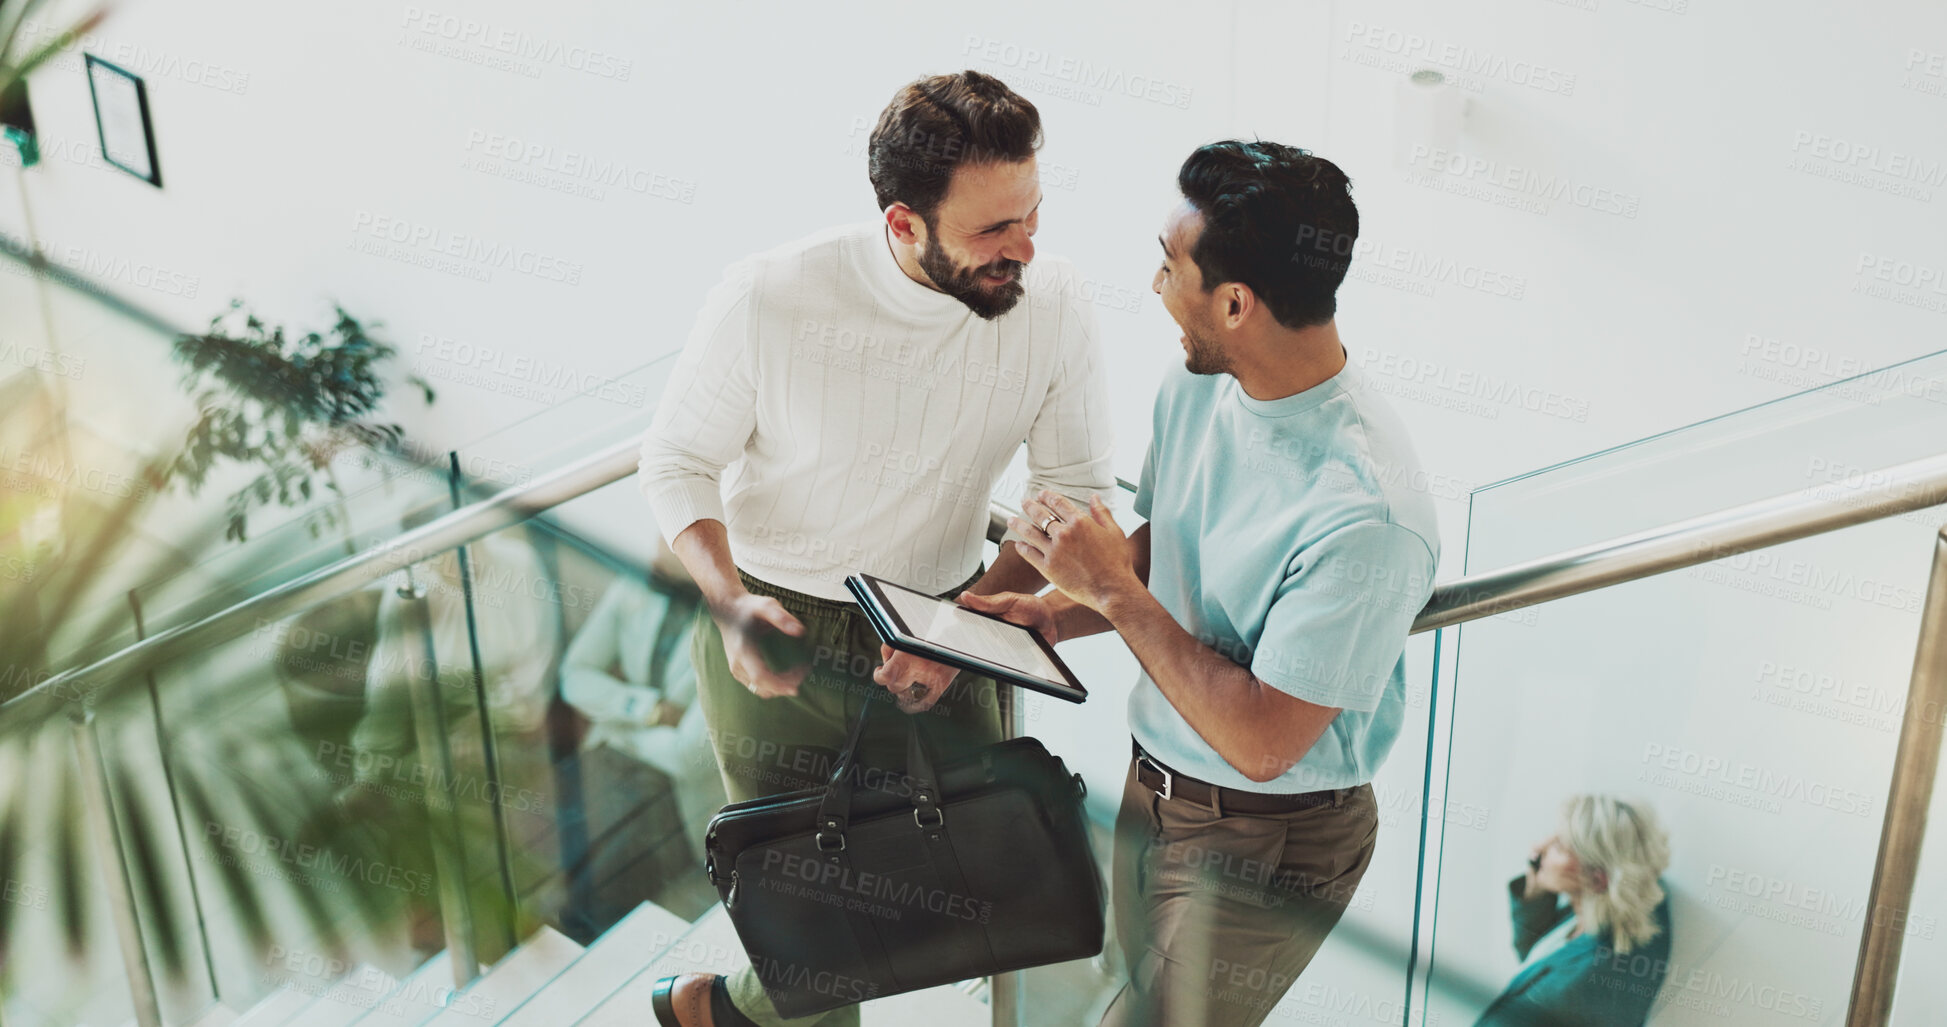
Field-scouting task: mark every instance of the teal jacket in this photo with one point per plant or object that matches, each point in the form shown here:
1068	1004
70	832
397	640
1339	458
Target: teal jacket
1584	983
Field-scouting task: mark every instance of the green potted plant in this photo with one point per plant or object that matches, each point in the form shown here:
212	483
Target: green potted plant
290	404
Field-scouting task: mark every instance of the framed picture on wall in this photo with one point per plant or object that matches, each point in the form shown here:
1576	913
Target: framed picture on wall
122	120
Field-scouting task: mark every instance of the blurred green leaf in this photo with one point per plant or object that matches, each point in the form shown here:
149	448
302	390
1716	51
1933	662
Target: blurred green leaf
230	872
11	830
74	864
152	886
13	69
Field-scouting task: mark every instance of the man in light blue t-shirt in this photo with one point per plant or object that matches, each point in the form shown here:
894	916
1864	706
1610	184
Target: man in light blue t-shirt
1290	544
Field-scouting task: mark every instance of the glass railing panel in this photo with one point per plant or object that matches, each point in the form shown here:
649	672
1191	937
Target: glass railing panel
296	766
393	490
585	653
608	778
314	765
602	410
1360	974
25	325
328	531
1701	701
73	525
64	878
109	397
1817	439
168	904
1751	705
612	410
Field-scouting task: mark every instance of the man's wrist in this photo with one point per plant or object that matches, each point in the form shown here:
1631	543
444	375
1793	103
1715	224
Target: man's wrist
1057	618
724	601
1124	602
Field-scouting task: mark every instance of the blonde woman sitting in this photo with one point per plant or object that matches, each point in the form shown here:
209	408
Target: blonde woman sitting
1591	921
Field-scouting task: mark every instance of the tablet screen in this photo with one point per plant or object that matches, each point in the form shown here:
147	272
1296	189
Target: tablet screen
951	626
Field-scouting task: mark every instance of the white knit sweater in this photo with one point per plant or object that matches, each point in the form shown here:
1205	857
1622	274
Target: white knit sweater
838	416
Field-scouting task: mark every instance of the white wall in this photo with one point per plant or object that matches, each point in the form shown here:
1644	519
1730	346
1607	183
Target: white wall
333	120
286	134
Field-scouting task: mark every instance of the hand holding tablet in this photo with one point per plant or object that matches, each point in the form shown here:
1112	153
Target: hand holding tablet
944	631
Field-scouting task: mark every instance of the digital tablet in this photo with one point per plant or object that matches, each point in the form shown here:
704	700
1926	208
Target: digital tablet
946	632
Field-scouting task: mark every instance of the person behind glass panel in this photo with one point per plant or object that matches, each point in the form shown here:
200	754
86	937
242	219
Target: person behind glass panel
1591	921
516	637
628	671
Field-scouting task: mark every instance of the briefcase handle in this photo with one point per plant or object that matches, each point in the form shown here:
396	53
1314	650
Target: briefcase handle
835	809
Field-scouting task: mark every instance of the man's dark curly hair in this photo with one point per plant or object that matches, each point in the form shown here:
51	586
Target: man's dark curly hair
1275	218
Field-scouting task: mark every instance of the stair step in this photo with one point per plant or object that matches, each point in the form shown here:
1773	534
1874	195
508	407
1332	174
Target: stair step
347	999
414	999
944	1006
526	970
218	1015
613	958
711	946
274	1009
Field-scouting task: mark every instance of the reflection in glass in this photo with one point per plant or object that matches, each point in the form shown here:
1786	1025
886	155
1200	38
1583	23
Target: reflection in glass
1591	920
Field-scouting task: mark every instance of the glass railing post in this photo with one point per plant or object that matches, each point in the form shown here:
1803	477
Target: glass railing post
1914	766
436	763
489	745
163	751
109	851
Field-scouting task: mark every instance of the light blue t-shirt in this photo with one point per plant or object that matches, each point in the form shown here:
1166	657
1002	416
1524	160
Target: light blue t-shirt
1295	536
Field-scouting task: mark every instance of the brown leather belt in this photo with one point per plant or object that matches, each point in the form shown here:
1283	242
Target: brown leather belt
1153	775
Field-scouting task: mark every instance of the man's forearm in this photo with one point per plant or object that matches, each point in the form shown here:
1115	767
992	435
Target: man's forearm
1221	701
704	549
1210	691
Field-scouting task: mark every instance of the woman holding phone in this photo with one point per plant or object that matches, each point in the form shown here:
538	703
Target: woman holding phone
1591	921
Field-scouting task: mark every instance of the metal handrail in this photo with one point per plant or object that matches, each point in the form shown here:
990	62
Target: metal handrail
1739	529
503	509
1895	490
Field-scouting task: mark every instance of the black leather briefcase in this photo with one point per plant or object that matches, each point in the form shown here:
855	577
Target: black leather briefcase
882	883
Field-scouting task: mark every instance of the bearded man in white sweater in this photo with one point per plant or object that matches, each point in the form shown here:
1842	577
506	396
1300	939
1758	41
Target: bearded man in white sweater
848	402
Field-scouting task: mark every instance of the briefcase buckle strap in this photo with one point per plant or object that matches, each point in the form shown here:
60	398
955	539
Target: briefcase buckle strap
926	809
830	838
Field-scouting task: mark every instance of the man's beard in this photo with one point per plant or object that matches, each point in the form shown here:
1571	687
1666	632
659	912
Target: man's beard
965	285
1205	357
